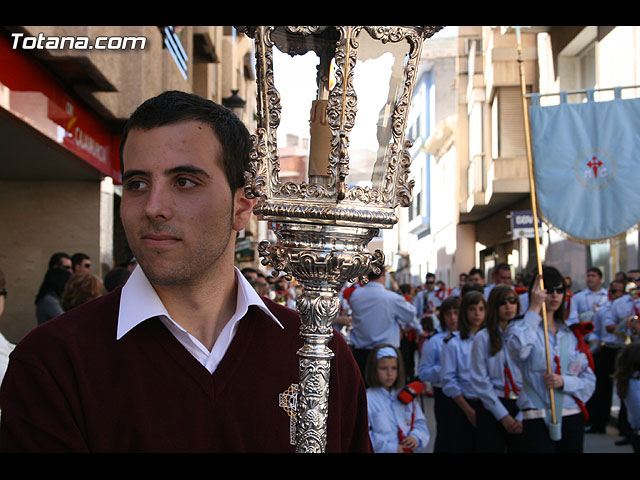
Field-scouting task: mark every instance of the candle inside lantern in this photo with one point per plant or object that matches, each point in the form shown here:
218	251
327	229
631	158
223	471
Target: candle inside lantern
320	144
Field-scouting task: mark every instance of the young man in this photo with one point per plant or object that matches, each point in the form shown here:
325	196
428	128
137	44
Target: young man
604	356
462	280
476	276
186	357
378	317
586	302
427	302
501	276
81	263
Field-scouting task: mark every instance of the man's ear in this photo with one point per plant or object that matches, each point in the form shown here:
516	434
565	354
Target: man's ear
242	209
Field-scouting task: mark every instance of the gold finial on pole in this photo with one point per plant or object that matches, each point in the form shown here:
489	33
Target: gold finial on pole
534	210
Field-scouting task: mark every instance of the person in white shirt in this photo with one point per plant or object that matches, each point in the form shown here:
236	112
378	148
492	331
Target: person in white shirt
394	425
378	317
457	290
428	301
501	276
604	355
586	302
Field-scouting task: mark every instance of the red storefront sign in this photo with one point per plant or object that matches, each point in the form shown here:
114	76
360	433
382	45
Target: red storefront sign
34	95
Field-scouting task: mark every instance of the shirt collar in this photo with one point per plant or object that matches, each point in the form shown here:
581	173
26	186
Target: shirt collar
139	302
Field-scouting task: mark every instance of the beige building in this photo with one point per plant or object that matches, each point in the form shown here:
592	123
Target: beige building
471	171
65	93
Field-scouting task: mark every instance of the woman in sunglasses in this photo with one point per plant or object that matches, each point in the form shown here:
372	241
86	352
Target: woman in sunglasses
571	379
495	376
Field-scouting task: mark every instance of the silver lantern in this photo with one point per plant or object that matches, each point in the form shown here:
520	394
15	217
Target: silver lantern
362	88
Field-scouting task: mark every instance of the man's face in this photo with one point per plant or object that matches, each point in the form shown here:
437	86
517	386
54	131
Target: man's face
616	290
83	267
65	264
503	276
430	283
476	278
177	208
593	280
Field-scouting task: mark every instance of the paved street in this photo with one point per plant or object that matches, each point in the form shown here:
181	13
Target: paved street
594	443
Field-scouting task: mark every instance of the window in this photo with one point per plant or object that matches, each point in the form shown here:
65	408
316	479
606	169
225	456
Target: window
171	38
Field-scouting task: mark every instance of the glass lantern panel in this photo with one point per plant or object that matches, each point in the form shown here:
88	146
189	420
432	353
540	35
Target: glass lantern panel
295	80
301	70
378	82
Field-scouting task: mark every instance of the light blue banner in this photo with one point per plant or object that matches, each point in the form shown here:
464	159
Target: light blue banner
587	165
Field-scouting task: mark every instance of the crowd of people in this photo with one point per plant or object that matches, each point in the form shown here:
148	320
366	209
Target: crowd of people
68	282
479	350
483	353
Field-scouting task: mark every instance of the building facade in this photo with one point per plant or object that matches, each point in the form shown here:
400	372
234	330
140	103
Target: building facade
470	164
65	94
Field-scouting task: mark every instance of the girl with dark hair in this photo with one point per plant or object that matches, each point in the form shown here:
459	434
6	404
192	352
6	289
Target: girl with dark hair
627	377
571	380
456	378
49	297
495	377
429	370
394	426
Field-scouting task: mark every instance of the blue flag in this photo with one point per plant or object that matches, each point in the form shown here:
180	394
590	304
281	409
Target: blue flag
586	159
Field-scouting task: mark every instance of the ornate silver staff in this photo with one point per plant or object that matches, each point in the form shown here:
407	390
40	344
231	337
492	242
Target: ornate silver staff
323	226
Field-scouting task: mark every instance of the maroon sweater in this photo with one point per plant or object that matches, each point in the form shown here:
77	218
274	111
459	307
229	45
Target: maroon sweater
71	386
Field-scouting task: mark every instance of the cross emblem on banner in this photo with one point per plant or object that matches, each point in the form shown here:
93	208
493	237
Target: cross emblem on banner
594	164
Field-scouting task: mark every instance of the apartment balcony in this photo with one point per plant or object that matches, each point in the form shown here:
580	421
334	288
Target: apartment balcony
493	184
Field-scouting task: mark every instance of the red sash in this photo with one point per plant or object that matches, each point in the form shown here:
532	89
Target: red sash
582	406
402	436
580	330
509	384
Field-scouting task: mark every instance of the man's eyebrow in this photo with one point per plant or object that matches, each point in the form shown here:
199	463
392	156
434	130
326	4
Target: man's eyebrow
172	171
187	169
131	173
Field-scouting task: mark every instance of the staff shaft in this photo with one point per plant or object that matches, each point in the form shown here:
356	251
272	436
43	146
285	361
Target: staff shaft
534	210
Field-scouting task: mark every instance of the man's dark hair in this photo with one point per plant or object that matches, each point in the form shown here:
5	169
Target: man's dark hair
501	266
595	270
175	106
116	277
475	270
54	261
471	287
77	258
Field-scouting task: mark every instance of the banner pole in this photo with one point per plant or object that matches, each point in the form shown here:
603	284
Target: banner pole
534	210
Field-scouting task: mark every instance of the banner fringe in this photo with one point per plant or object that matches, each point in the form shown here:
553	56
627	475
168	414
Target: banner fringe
587	241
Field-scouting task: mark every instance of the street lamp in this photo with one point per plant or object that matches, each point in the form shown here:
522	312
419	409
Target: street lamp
358	173
235	103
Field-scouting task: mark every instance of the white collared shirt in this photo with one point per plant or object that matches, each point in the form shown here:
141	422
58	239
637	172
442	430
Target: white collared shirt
139	302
